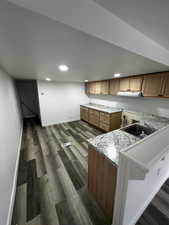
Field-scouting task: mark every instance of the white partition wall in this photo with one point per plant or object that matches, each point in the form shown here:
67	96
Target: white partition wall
143	169
10	137
60	101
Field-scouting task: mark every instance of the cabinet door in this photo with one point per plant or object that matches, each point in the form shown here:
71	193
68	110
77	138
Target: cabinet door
125	84
84	113
102	175
166	85
105	118
104	87
114	86
92	88
97	87
94	117
136	83
152	85
87	88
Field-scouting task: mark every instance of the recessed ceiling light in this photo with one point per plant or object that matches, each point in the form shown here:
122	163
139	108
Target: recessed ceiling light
86	80
48	79
117	75
63	68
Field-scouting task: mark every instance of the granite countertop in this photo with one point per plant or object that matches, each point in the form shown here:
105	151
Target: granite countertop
102	108
110	144
147	119
155	122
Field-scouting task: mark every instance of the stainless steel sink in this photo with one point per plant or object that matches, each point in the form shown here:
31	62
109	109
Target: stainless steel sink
139	130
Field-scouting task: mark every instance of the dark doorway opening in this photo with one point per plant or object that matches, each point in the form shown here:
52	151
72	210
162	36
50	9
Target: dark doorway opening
29	100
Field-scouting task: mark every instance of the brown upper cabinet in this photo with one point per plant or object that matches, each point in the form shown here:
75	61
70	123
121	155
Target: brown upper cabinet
165	89
87	88
152	85
136	83
124	84
104	87
131	84
114	86
97	87
93	88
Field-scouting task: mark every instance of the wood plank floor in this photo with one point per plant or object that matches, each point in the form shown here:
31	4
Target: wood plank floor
52	177
157	213
52	180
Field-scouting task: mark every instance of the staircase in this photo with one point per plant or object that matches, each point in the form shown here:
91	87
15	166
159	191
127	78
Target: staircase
157	213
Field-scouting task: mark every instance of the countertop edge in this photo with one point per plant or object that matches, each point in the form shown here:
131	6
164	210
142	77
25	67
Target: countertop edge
100	109
102	153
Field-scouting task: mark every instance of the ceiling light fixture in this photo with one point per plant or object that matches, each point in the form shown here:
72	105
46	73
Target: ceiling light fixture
48	79
63	68
117	75
86	80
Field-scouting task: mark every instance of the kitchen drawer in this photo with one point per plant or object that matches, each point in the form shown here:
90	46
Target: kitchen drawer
104	126
84	108
94	113
96	123
84	117
93	120
84	113
104	117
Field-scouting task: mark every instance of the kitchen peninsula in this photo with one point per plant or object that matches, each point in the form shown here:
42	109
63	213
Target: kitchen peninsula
117	160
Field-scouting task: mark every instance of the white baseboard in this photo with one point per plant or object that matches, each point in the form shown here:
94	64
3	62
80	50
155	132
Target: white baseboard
11	206
59	122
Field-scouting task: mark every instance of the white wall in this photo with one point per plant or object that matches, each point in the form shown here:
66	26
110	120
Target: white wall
141	192
10	133
60	101
157	106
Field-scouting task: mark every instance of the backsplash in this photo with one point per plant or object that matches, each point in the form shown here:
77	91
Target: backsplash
154	121
156	106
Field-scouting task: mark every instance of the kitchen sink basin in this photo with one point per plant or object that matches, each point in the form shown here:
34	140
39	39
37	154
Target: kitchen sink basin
139	130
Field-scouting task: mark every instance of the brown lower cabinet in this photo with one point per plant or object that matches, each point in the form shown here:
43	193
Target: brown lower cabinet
94	117
102	176
84	113
105	121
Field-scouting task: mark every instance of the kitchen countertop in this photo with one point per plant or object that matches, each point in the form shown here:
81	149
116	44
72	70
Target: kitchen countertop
110	144
102	108
154	121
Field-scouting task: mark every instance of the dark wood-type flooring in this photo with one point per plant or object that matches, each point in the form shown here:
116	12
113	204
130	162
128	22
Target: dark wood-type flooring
52	180
157	212
52	177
